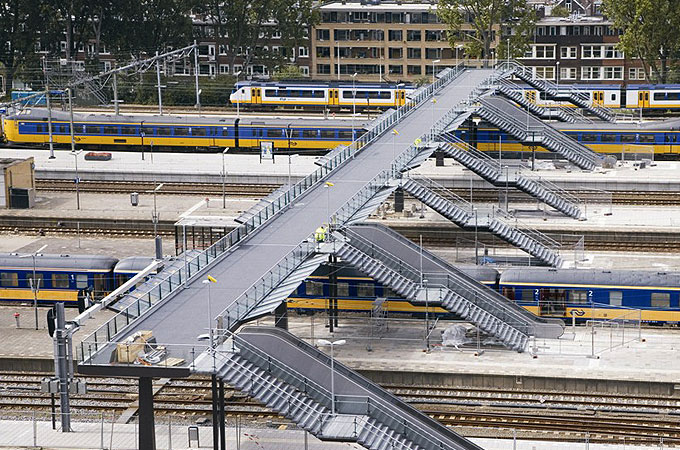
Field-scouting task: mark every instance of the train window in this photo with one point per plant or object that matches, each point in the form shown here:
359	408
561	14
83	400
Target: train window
589	138
379	94
163	131
274	132
38	280
40	128
673	96
111	130
91	129
389	293
343	289
627	138
580	296
319	94
647	138
60	280
66	129
365	290
313	288
270	92
509	293
81	281
130	131
608	137
660	300
328	134
616	298
345	134
659	96
310	133
9	279
527	295
181	131
100	283
198	132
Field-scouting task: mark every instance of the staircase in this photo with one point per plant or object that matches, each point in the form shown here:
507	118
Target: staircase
488	168
403	279
530	130
452	288
461	213
576	96
292	377
514	93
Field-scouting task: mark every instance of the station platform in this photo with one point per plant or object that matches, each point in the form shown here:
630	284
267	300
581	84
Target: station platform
245	168
18	434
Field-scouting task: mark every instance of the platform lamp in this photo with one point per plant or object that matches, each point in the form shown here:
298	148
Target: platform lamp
76	180
436	61
328	185
354	101
332	344
224	180
35	285
209	280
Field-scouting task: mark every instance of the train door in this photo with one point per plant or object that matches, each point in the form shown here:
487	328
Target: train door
401	97
552	302
531	96
643	99
598	98
333	97
256	96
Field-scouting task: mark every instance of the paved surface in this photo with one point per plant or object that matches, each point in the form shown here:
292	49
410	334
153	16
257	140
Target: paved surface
185	316
19	434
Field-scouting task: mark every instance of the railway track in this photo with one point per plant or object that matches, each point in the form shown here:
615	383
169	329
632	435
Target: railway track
647	198
552	415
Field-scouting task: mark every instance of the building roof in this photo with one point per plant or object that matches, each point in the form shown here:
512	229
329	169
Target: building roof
378	5
8	162
574	20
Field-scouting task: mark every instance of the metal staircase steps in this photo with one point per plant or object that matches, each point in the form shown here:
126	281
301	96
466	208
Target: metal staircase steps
516	122
544	113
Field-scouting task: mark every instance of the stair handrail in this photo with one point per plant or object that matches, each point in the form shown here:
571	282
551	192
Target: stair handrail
525	229
521	126
376	402
446	193
554	188
458	142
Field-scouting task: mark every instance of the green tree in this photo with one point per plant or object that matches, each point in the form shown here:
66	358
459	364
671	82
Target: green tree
518	29
288	72
485	17
651	32
20	22
559	11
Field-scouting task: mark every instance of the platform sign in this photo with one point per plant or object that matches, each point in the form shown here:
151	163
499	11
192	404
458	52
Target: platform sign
267	151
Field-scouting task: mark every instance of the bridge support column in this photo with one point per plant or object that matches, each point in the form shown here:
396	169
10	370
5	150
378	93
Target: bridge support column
399	200
439	159
333	291
215	415
223	434
281	316
147	431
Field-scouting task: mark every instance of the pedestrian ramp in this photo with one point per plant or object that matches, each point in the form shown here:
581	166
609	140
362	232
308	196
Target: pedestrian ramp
465	215
572	94
532	131
398	263
321	395
492	171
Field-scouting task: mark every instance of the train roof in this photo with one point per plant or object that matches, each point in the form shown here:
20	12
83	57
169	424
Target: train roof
479	273
132	264
189	120
317	84
51	261
623	127
590	277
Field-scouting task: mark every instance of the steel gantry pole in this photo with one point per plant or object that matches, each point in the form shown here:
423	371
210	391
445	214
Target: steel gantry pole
158	81
198	92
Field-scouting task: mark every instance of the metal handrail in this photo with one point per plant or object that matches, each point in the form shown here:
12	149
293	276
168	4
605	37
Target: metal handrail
526	230
445	193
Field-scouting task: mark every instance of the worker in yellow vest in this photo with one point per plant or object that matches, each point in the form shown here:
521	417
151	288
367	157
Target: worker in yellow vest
320	234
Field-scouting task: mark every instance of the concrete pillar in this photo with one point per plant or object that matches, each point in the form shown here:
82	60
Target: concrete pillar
147	431
281	316
223	434
439	159
215	415
399	200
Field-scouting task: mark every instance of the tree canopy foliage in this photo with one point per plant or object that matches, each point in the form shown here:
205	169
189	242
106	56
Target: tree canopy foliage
651	32
486	18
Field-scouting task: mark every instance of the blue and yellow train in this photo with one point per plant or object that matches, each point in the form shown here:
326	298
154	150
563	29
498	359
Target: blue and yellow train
651	296
660	137
173	133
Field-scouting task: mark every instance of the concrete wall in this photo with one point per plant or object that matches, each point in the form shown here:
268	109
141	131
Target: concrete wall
17	174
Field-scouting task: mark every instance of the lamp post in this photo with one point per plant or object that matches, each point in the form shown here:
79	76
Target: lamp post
354	101
330	344
224	180
35	285
49	120
436	61
476	241
508	45
557	75
75	154
209	280
328	185
154	214
238	95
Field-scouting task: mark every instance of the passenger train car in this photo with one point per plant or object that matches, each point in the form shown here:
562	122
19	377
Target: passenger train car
660	137
597	294
253	94
172	133
59	278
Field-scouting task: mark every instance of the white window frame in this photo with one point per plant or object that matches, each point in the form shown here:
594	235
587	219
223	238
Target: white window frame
303	52
568	52
224	69
568	73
